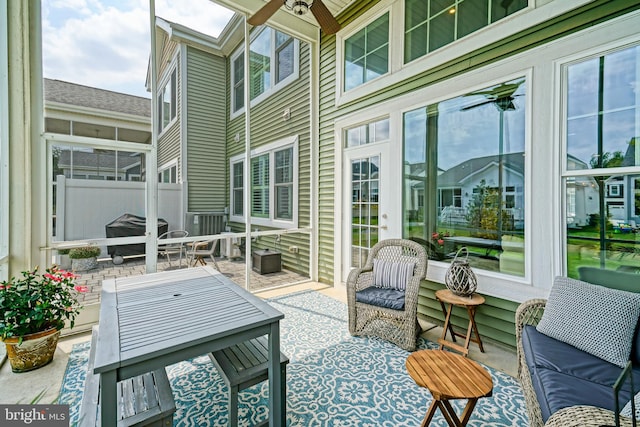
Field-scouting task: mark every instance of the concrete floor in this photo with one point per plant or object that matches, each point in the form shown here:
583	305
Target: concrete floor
25	387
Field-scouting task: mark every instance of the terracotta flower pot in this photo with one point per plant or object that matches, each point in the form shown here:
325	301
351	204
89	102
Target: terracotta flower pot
35	351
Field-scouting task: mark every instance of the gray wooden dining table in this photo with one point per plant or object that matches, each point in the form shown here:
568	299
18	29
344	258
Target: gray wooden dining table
155	320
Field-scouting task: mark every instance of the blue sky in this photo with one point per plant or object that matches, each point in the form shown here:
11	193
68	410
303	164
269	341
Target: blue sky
105	43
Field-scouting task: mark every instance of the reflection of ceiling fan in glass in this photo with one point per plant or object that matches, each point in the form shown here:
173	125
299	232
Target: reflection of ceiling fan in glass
502	96
299	7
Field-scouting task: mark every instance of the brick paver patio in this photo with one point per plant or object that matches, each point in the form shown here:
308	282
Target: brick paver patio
234	269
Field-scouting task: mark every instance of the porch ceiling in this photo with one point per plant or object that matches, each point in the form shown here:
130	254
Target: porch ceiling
304	27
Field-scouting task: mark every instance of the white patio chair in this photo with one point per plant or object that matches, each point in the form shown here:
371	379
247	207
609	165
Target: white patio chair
201	249
172	248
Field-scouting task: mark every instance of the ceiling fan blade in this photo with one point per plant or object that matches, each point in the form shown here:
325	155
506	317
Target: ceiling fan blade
261	16
324	17
478	104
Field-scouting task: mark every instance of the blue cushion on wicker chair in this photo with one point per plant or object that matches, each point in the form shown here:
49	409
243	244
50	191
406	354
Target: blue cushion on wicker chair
388	298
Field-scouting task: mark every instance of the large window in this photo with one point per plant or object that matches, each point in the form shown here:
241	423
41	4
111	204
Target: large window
432	24
273	63
602	162
367	53
273	178
167	102
464	177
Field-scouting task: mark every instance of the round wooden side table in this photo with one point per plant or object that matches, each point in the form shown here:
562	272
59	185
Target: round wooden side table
445	296
449	376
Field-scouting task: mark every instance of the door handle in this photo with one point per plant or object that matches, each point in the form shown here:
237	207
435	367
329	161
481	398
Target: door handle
383	227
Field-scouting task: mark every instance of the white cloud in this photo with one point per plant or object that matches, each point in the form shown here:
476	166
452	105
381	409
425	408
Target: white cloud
106	43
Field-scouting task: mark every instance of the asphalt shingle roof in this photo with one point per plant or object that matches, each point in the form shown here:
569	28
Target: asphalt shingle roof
85	96
455	175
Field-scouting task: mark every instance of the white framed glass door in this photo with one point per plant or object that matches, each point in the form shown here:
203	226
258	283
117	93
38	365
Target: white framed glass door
367	203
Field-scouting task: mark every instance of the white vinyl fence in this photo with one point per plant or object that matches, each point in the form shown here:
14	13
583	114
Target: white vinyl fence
84	207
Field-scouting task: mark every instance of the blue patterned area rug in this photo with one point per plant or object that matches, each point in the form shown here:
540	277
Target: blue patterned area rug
333	379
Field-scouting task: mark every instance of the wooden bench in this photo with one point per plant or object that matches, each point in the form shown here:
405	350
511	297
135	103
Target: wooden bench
145	400
244	365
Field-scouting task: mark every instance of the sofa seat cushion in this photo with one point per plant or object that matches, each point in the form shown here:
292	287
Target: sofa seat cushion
556	390
382	297
564	376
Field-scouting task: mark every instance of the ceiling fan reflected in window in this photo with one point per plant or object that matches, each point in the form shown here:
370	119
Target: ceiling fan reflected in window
299	7
502	96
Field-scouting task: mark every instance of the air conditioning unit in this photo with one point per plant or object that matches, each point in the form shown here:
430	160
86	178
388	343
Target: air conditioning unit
230	247
205	223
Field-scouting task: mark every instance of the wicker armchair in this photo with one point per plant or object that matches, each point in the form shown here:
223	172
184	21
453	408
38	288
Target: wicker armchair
397	326
529	313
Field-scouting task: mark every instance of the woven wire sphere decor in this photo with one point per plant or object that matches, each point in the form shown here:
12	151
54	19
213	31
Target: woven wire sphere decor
460	278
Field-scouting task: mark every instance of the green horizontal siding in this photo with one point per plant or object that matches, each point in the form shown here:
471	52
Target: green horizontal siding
268	126
205	132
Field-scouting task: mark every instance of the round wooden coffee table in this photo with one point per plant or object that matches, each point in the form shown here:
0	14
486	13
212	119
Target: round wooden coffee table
449	376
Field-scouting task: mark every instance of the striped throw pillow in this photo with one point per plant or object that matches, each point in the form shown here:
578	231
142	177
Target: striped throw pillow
392	275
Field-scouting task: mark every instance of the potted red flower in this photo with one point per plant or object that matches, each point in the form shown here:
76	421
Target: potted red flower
437	249
34	309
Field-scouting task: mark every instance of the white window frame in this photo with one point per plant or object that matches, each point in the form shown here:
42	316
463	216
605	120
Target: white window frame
232	84
173	109
454	4
560	67
270	149
365	20
536	13
236	160
167	166
275	86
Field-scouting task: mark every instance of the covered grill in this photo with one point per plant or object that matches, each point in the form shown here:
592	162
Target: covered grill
130	225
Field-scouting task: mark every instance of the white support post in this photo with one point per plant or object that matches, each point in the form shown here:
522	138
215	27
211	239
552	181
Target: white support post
151	174
247	157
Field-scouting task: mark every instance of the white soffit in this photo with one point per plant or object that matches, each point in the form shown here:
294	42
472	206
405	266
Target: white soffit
304	28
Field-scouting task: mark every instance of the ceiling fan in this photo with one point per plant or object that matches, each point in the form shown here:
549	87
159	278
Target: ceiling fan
299	7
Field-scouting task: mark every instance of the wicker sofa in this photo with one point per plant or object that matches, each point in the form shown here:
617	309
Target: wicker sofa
566	386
